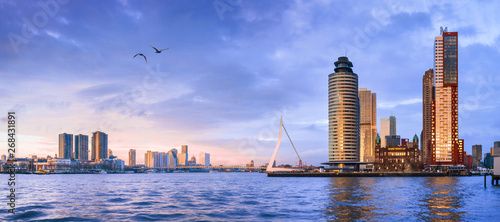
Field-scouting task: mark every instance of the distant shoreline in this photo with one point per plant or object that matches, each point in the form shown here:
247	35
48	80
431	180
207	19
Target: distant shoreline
377	174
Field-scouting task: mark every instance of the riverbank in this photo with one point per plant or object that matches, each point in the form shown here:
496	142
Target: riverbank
385	174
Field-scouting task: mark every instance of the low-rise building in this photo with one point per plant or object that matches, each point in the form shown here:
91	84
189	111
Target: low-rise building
402	157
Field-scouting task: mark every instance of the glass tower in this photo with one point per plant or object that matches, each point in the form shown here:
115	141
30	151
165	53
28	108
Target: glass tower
343	113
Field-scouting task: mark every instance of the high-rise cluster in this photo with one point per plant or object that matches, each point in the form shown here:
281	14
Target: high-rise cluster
443	147
80	150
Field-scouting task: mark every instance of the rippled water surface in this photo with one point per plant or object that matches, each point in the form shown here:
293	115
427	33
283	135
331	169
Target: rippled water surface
250	197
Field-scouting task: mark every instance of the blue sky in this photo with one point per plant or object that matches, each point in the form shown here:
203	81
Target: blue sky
232	69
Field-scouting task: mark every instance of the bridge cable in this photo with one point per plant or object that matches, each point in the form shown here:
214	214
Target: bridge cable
291	142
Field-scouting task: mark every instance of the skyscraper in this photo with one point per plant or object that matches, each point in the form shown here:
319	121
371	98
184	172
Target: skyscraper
343	115
387	128
131	158
184	149
81	147
204	159
446	147
149	159
477	155
99	146
368	124
65	146
172	158
427	97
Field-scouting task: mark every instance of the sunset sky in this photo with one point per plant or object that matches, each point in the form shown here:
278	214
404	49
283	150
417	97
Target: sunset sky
231	70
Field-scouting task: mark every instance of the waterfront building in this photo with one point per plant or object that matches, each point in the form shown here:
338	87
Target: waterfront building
387	128
397	158
495	150
488	161
184	149
204	159
164	159
467	161
343	117
131	158
368	124
172	158
427	98
446	148
192	162
148	159
477	155
65	146
81	147
182	159
99	146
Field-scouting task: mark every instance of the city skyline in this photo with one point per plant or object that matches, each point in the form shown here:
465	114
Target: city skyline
228	76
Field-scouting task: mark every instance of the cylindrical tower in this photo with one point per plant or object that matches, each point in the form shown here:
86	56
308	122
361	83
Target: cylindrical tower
343	113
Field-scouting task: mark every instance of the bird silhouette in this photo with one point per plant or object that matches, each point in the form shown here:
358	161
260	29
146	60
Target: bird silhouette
157	51
140	54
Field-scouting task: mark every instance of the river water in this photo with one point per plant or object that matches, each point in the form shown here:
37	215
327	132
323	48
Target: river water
249	197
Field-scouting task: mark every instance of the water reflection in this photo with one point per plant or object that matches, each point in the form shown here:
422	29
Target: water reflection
442	199
350	199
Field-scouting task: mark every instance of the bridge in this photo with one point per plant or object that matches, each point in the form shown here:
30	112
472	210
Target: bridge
201	168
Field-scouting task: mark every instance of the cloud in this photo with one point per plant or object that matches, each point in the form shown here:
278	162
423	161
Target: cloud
386	105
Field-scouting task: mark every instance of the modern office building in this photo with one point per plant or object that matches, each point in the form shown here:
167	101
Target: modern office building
488	161
427	98
172	158
81	147
65	146
368	124
387	128
495	150
343	116
164	159
149	159
393	140
204	159
182	158
99	146
184	149
446	148
477	155
131	158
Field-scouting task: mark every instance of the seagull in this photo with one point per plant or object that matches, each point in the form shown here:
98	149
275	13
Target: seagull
157	51
140	54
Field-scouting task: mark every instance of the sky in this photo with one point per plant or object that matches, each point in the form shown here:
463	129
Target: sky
233	68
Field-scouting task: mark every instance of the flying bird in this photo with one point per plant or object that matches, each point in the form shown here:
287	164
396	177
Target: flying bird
140	54
157	51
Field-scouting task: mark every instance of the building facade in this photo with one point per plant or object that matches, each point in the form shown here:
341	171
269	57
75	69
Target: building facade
477	155
81	147
99	146
427	98
368	124
65	146
402	157
131	158
204	159
343	115
387	128
446	148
